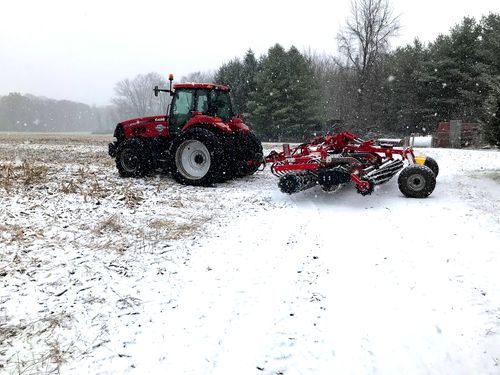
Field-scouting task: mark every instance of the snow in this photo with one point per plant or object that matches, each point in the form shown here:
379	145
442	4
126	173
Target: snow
146	276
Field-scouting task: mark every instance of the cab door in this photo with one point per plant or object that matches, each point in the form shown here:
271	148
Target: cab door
180	110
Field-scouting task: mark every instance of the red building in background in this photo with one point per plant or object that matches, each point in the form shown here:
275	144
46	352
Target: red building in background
457	134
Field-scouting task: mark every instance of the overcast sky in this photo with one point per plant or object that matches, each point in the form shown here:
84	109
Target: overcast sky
78	50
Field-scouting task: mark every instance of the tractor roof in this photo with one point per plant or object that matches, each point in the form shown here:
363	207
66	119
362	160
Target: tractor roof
207	86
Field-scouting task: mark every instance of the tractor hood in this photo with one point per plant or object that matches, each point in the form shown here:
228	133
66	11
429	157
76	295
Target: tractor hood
142	120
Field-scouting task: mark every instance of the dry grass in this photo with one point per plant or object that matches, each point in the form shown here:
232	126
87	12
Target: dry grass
171	230
27	174
12	233
110	224
160	224
53	353
69	187
57	138
131	197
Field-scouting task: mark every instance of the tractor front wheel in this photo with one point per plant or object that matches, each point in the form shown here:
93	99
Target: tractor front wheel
417	181
132	158
196	157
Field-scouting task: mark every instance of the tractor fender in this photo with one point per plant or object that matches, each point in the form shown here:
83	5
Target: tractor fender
236	124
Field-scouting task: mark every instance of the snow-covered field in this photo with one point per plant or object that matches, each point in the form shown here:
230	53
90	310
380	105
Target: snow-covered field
106	275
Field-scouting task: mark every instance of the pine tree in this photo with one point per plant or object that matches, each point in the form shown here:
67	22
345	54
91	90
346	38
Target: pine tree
240	76
490	52
406	110
283	103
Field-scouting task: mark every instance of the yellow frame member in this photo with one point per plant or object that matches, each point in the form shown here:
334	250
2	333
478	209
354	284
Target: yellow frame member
420	159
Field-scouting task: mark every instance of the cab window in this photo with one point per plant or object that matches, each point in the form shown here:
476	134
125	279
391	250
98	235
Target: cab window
221	104
181	109
202	102
183	104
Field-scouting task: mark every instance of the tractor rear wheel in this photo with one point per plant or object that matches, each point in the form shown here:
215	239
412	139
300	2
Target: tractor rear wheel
417	181
247	154
196	157
133	158
255	153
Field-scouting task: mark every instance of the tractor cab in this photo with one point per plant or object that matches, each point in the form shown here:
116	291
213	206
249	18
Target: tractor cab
198	100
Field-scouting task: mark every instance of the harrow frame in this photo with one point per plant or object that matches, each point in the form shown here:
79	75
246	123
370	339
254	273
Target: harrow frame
335	159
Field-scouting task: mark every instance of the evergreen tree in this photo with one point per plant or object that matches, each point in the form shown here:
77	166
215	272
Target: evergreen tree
453	74
490	52
405	108
240	76
284	101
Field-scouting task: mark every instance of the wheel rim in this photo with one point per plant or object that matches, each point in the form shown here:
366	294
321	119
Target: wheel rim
416	182
192	159
129	160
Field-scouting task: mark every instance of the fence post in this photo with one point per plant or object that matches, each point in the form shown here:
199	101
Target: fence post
455	133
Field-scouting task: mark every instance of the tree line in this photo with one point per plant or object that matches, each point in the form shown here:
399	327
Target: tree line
367	88
370	89
134	98
39	114
287	94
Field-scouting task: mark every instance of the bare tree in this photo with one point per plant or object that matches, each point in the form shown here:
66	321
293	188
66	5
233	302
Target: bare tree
364	42
366	35
136	97
199	77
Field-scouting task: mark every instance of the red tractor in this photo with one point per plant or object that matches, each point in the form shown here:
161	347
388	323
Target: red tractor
200	140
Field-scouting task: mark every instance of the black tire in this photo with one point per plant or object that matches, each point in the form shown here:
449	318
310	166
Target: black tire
197	157
417	181
133	158
248	148
255	153
432	164
228	163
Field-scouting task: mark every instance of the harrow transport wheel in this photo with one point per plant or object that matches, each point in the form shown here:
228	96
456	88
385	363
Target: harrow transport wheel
132	158
432	164
197	155
417	181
